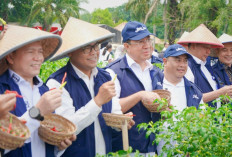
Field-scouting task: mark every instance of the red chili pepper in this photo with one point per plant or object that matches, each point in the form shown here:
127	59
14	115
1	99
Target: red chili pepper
15	92
65	74
52	89
23	135
54	129
23	121
10	125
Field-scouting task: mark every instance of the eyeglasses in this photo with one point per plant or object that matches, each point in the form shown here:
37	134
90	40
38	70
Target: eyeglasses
141	42
88	49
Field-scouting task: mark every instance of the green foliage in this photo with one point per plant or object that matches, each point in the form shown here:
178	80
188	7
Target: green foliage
46	12
101	16
216	14
121	153
203	132
48	68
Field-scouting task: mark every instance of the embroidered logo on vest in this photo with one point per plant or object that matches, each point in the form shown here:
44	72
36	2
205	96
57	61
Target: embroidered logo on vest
195	96
16	78
159	84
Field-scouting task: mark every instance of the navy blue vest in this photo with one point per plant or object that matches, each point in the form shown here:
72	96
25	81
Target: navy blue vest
84	146
130	84
7	83
155	59
199	78
193	93
221	74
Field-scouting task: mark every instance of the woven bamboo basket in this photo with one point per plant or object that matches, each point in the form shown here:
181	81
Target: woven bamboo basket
115	120
65	129
153	107
20	133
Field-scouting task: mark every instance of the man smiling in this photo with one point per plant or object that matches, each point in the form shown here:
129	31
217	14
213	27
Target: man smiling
89	89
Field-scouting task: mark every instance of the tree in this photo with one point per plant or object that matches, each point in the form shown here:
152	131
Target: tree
47	12
215	14
15	10
100	16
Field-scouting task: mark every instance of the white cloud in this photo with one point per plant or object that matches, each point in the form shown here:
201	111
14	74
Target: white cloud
102	4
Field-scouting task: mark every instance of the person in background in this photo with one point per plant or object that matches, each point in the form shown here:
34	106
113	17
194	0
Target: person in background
137	77
103	45
199	42
120	52
107	53
222	68
89	91
20	64
165	46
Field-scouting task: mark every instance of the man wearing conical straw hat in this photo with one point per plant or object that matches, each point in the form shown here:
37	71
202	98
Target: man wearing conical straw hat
199	43
23	50
137	77
7	101
222	68
88	91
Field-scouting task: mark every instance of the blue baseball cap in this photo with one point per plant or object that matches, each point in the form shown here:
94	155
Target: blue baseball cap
175	50
134	30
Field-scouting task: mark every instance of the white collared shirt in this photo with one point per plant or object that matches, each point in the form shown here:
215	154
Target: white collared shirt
143	75
178	95
87	114
31	97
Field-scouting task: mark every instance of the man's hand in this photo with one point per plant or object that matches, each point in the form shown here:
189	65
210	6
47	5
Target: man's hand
149	97
67	142
105	94
3	32
226	90
49	101
130	122
7	102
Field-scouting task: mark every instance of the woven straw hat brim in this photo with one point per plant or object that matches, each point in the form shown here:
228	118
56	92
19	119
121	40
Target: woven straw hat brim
17	37
201	35
225	38
78	34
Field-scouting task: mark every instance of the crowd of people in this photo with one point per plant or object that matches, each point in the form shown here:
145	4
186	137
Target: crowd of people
189	74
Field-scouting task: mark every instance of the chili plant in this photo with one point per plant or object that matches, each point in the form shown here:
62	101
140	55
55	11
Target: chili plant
206	131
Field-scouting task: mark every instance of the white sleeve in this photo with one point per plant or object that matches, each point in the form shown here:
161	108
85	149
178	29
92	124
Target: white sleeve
189	75
83	117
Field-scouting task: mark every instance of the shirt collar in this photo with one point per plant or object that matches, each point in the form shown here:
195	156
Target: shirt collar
131	62
180	84
18	79
199	61
81	74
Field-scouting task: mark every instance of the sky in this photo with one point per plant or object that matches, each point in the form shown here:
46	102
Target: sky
102	4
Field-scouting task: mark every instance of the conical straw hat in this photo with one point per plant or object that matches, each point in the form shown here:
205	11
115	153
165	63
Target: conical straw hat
78	34
183	36
225	38
17	36
201	35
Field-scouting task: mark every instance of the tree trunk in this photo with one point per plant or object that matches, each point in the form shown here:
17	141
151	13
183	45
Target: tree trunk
150	10
165	21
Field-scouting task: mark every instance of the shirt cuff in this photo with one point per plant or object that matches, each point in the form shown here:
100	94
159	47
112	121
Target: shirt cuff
58	152
93	108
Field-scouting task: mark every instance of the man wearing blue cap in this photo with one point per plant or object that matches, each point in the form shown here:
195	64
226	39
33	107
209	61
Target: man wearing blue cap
183	92
137	77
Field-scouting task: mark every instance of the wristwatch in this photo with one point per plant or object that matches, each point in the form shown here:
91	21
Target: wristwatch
35	113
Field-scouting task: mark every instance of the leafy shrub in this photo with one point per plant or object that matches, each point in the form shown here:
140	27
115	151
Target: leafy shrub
49	67
203	132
